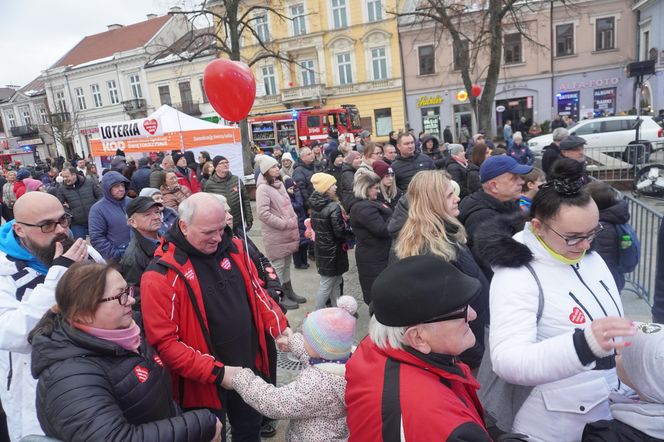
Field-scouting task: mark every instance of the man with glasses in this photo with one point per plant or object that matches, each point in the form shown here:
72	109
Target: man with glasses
418	388
223	182
33	257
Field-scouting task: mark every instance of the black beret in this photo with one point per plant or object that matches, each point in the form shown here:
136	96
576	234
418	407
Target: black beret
420	288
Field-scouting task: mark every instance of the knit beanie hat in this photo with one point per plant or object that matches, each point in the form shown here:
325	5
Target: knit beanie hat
330	331
217	159
382	168
643	361
352	155
287	156
32	184
22	174
176	157
149	191
322	181
266	162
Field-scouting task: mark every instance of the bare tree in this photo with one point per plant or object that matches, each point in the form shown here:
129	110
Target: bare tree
62	126
476	28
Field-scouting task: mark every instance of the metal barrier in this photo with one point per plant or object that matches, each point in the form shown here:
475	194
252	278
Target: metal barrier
616	163
646	221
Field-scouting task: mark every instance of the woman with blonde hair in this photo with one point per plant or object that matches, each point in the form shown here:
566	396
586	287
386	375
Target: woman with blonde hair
432	228
372	153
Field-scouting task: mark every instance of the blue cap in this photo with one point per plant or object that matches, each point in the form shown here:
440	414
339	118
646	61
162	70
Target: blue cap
500	164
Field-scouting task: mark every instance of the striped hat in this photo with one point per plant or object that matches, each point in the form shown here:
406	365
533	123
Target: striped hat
330	331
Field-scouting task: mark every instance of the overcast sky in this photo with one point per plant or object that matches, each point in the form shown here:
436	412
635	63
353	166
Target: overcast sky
34	34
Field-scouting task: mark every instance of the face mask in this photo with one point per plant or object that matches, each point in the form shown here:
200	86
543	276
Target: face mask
557	256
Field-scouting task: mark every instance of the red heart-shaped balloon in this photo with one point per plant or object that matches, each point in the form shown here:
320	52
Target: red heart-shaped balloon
230	87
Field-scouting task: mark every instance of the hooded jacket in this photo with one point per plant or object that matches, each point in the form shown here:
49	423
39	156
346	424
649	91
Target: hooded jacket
406	168
79	197
92	389
235	192
109	232
439	158
281	236
607	243
329	222
572	385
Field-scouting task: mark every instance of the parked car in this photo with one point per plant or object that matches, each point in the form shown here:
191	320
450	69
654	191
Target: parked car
612	133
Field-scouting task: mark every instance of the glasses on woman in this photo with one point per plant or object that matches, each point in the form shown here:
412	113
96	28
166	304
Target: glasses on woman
49	226
574	240
122	297
462	314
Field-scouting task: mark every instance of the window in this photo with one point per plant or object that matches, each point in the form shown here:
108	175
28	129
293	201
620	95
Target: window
431	120
460	55
383	121
297	15
308	73
379	64
344	66
513	48
10	119
269	81
262	30
185	93
165	95
27	118
427	59
112	91
565	39
605	33
96	95
205	98
587	129
43	115
313	121
339	14
135	82
60	103
375	10
80	98
646	45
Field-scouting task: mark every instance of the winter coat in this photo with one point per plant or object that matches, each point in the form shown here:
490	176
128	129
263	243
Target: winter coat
140	179
473	178
281	236
369	222
345	187
328	220
298	206
135	260
19	188
109	232
172	197
550	155
79	197
394	395
313	401
616	431
406	168
236	193
521	153
572	385
188	179
607	243
172	327
8	196
459	173
25	295
392	201
479	207
302	176
93	389
439	158
447	136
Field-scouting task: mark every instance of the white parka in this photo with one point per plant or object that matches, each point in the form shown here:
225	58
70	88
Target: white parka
567	394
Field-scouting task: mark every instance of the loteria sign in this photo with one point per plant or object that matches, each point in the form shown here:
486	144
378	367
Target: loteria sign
122	130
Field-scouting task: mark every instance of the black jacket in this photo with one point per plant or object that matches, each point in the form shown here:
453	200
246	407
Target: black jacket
235	195
345	187
607	243
406	168
460	175
439	158
473	178
550	155
332	231
614	431
369	222
135	260
92	389
80	197
302	176
447	136
479	207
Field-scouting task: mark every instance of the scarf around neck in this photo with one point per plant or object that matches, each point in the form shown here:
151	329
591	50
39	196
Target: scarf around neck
127	338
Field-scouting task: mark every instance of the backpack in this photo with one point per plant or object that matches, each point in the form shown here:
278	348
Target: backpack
629	252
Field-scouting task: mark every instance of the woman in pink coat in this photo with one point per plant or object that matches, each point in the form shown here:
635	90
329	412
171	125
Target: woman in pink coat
281	237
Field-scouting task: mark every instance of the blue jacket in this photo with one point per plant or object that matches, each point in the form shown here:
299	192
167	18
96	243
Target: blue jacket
140	179
109	231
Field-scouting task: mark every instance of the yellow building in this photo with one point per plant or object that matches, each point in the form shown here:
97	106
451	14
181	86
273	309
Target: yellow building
337	52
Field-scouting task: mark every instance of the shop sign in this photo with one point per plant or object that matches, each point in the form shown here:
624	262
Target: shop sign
429	100
30	142
602	82
510	86
89	131
500	108
568	104
604	101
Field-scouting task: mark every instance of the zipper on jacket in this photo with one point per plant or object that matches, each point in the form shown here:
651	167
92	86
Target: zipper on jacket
611	296
576	270
580	304
11	371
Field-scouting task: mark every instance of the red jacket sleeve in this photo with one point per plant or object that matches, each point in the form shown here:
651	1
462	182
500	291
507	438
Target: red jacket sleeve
160	307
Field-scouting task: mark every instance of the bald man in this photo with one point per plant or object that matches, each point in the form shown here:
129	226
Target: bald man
32	260
204	307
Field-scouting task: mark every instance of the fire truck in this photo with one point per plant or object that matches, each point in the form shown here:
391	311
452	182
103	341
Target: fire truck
305	125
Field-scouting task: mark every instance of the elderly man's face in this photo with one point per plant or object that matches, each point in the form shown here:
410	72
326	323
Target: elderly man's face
575	154
451	337
68	177
206	229
508	186
307	158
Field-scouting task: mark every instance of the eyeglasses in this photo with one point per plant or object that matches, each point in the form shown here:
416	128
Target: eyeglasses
463	314
574	240
49	226
122	298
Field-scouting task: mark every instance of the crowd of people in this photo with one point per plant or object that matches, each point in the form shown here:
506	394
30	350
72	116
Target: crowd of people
493	289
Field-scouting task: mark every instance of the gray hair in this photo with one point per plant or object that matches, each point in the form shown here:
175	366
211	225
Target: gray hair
454	148
559	133
305	151
187	208
518	135
384	336
363	182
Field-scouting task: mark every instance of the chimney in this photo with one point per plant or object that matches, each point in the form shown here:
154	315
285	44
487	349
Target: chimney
175	9
151	16
114	26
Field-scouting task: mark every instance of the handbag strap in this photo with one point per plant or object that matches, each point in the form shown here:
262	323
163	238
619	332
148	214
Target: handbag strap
540	294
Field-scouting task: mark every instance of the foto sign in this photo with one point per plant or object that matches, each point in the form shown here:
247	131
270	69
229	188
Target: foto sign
122	130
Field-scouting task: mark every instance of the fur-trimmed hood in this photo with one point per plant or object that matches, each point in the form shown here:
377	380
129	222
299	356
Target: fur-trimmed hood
494	242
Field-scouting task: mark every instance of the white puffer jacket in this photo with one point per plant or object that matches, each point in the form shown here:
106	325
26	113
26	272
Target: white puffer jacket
567	394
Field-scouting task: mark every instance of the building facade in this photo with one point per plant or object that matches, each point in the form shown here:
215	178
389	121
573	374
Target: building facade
577	69
650	37
338	52
103	79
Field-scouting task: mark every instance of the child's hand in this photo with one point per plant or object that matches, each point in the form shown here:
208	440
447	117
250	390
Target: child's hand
282	339
229	374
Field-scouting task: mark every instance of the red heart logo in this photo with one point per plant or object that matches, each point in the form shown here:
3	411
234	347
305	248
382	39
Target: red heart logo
577	316
141	373
151	126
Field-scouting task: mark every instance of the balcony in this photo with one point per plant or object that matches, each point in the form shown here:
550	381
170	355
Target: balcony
136	107
189	108
29	130
303	93
59	118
